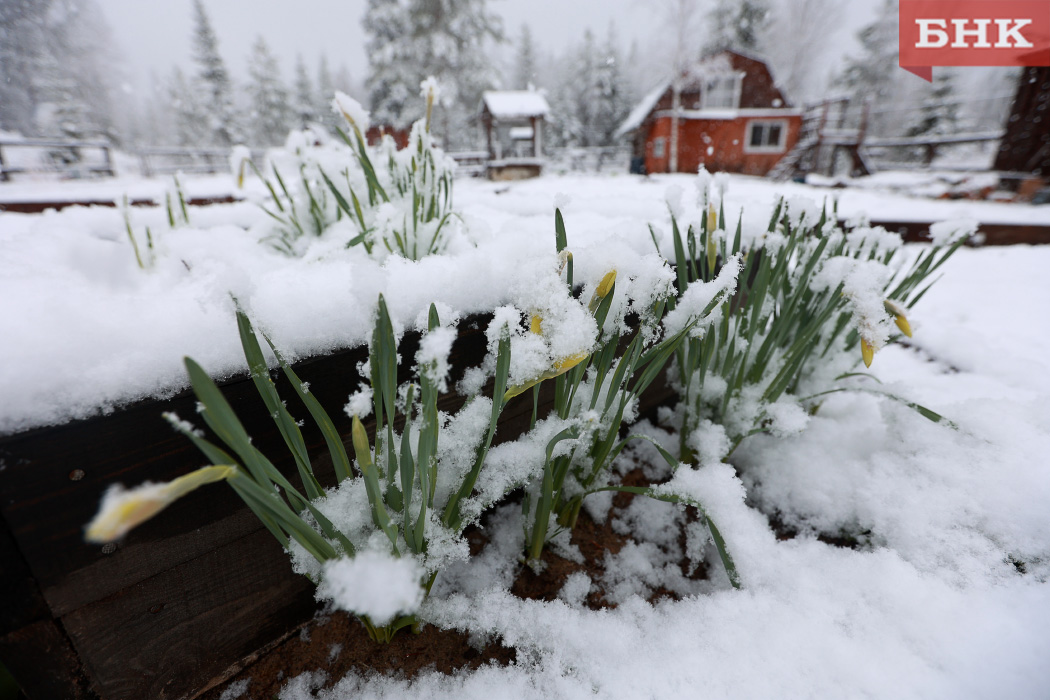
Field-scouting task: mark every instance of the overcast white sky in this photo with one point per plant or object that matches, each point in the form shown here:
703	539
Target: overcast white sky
155	35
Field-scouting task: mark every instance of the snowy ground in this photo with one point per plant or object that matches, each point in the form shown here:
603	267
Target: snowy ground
935	606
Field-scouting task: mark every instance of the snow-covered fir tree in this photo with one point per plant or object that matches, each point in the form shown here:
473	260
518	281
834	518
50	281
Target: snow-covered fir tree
306	100
270	115
56	69
797	44
939	109
738	24
591	97
323	96
411	39
22	28
190	121
575	98
525	71
615	96
873	76
213	80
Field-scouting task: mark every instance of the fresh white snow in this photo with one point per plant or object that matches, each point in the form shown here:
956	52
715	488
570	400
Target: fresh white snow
932	605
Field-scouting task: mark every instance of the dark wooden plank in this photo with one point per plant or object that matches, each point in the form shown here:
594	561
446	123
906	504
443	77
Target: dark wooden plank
22	601
53	477
41	206
194	591
173	634
993	234
43	663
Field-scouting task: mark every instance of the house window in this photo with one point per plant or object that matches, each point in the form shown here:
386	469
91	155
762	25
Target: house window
721	92
658	147
766	136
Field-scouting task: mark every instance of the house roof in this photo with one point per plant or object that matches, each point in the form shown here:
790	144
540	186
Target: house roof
715	64
642	109
515	104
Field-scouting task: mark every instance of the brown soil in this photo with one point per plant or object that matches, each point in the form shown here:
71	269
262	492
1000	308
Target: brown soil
338	644
432	649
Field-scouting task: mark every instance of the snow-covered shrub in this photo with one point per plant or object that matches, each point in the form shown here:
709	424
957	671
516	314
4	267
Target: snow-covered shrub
814	299
375	541
596	393
387	200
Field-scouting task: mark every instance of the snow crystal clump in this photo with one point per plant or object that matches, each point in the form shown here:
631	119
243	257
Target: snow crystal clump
709	443
432	357
696	298
577	587
862	283
360	403
373	584
351	110
948	232
237	689
429	89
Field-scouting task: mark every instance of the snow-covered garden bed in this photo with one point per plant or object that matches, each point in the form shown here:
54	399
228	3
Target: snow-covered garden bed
873	551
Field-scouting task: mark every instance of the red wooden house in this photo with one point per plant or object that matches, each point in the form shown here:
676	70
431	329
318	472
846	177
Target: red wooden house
731	118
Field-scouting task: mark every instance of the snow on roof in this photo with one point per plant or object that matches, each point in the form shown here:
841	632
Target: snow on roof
642	109
510	104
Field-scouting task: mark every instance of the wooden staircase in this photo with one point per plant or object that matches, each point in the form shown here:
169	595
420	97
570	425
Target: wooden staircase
828	136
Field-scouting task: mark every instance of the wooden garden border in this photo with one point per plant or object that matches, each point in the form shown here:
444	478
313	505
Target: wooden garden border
178	605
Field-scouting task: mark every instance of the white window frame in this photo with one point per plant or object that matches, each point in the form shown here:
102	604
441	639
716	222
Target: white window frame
721	86
778	147
659	147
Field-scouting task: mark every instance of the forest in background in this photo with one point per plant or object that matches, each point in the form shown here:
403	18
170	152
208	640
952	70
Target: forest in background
61	74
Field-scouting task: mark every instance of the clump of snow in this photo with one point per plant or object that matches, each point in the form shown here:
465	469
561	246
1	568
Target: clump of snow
351	110
948	232
360	403
709	443
235	690
863	282
432	357
373	584
429	89
697	296
576	588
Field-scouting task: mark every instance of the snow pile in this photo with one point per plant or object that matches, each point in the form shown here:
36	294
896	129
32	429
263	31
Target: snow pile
372	584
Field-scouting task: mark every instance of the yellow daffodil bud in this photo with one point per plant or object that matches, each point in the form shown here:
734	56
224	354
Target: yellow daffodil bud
123	509
362	450
560	367
536	324
564	258
867	351
899	318
604	287
712	245
570	362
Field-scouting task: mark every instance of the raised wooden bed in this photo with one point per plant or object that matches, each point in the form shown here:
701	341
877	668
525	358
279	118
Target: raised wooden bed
38	207
174	608
993	234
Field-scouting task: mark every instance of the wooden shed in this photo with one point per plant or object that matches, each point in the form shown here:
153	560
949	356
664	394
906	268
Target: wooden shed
1025	147
731	118
513	122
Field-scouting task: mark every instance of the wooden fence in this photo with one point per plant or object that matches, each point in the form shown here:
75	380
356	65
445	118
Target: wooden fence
178	605
70	158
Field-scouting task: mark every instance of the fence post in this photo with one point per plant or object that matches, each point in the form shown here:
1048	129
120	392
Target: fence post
3	169
108	161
